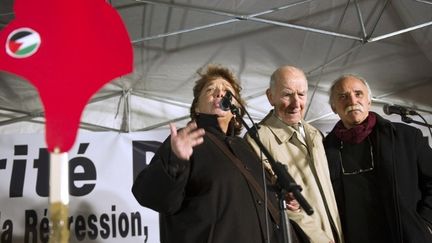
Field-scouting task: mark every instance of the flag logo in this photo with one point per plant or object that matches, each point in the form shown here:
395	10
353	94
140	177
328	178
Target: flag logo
22	43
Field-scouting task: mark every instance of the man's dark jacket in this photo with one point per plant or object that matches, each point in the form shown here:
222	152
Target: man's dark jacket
403	160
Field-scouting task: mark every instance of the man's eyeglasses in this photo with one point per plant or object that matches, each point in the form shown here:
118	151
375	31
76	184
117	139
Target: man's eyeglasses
351	166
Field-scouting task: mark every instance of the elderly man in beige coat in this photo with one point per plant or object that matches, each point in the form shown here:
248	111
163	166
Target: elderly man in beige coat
299	146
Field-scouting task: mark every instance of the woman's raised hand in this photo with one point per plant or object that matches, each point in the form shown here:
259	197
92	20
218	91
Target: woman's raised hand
183	141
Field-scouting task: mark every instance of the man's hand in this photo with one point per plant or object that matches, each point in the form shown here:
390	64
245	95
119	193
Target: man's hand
291	203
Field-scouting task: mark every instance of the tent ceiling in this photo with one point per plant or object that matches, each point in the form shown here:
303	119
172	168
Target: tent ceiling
387	42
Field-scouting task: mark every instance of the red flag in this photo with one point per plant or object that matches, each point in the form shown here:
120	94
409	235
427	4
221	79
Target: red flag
68	50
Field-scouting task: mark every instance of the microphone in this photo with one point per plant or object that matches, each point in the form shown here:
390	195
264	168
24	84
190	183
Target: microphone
395	109
225	102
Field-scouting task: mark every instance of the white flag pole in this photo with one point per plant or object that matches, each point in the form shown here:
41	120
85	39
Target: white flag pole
59	197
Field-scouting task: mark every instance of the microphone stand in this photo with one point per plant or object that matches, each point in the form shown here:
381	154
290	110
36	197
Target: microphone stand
407	119
284	179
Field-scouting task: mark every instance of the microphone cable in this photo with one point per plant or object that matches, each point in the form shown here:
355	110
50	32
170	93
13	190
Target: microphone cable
428	125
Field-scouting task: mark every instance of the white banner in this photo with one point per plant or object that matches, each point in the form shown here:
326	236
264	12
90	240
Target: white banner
102	169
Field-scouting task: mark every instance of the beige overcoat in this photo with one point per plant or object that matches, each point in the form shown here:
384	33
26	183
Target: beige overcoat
307	164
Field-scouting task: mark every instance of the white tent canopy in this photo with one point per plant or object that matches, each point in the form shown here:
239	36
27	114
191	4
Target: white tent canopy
387	42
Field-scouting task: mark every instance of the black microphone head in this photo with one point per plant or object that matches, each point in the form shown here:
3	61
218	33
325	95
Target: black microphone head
386	109
395	109
225	103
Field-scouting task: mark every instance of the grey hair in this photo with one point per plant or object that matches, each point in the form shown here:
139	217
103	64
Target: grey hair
273	80
340	79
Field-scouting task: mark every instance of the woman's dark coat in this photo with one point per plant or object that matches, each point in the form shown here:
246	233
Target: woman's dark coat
207	199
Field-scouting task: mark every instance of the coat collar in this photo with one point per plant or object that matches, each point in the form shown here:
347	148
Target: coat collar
283	131
381	121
